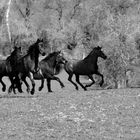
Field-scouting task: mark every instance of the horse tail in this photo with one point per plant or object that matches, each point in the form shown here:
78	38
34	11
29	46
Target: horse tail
68	67
58	69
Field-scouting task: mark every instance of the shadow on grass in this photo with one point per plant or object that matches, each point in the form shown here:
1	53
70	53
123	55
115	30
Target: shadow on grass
18	96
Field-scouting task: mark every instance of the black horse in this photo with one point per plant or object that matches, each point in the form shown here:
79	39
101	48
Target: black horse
6	70
50	66
27	65
88	66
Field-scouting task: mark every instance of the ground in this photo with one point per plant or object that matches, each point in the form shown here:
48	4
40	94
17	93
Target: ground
67	114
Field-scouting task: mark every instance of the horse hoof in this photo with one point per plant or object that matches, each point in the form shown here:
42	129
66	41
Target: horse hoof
62	86
85	89
76	88
32	92
20	91
28	90
101	84
40	88
9	91
3	89
50	91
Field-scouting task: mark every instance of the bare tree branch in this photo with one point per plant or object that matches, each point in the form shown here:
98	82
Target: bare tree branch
26	14
28	8
20	11
75	8
59	10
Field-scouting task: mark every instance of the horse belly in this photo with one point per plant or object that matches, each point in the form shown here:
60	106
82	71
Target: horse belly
38	76
83	70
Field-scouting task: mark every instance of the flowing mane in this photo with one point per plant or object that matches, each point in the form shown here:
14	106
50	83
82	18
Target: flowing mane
34	51
49	56
34	46
93	51
31	48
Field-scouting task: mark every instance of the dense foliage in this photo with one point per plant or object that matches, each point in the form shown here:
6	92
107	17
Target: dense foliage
83	24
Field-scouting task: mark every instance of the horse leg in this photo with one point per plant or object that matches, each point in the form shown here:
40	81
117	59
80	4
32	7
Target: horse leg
102	81
17	84
33	83
48	80
77	80
70	79
12	85
57	79
4	86
88	85
27	85
42	84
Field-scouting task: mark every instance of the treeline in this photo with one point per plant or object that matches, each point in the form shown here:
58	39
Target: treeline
76	26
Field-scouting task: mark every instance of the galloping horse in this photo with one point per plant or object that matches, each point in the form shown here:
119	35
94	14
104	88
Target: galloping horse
6	70
27	65
51	65
88	66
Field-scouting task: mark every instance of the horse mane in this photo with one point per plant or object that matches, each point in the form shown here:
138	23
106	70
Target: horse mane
33	52
49	56
31	48
12	56
58	67
91	53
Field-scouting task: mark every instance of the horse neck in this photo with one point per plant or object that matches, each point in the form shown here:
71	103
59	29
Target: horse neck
52	62
92	59
34	57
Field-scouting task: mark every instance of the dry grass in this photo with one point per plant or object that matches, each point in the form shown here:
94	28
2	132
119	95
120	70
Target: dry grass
71	115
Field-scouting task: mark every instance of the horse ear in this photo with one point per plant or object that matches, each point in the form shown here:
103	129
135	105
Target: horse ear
20	47
59	51
38	40
98	47
15	47
41	40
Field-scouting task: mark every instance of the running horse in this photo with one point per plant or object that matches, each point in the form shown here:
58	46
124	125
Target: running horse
88	66
27	65
50	66
6	69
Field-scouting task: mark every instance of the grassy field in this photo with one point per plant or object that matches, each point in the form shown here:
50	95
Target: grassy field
67	114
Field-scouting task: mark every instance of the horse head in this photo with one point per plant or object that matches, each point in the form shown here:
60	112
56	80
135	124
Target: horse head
40	46
60	58
34	51
99	52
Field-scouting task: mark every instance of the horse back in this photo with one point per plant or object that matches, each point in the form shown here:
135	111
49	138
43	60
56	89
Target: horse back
25	64
45	68
4	67
81	67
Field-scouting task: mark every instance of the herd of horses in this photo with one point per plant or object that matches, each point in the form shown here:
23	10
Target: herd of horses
17	67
